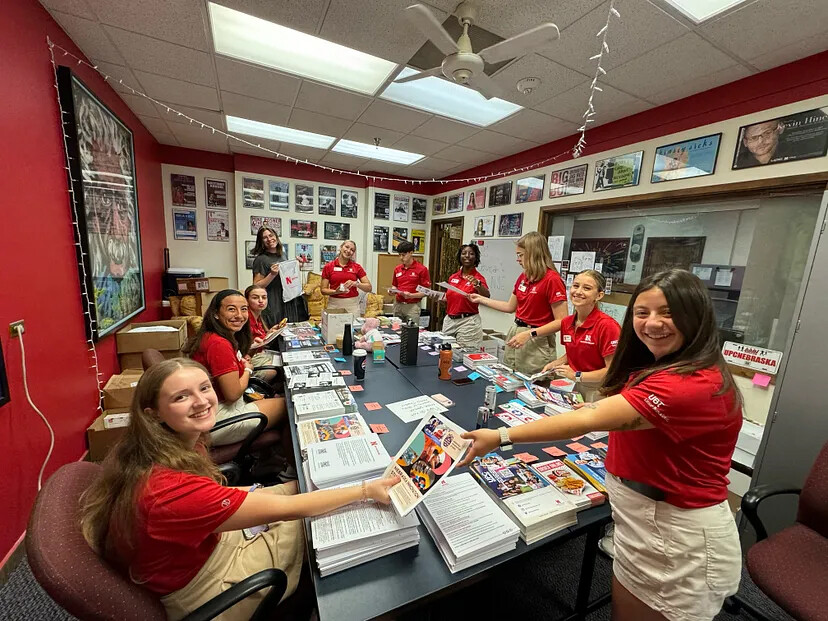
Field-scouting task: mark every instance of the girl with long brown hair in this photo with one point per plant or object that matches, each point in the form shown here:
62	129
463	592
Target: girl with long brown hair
269	253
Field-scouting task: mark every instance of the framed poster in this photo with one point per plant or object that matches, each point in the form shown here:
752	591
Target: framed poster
348	204
218	225
438	206
382	206
253	193
567	182
337	230
380	239
477	199
303	198
216	192
401	207
303	229
484	226
500	194
249	257
257	222
184	224
682	160
102	177
418	239
304	254
455	202
279	195
610	252
617	172
327	201
511	225
400	235
182	188
419	207
529	189
328	253
799	136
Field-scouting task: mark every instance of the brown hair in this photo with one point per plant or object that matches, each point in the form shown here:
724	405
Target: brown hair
598	277
259	248
240	340
536	257
347	241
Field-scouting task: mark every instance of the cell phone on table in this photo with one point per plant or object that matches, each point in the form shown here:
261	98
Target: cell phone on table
462	381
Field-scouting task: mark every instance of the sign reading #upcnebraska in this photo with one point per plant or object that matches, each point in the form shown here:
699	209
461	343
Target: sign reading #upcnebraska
758	358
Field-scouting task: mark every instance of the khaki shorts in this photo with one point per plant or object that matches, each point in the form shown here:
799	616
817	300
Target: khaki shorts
682	563
350	305
234	559
467	330
408	311
238	431
533	356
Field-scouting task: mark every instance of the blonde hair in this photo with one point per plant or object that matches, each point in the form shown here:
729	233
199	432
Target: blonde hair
536	257
347	241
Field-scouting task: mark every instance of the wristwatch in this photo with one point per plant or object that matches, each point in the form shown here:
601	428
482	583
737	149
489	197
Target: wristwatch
577	376
533	332
505	442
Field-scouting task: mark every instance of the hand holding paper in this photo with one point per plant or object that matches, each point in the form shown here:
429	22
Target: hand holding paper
445	285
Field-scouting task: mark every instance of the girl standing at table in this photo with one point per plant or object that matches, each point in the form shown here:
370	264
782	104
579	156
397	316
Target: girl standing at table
269	252
462	319
674	415
539	297
159	513
343	279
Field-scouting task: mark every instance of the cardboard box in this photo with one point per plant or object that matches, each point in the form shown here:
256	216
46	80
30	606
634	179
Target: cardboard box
101	439
135	342
120	388
116	420
333	323
192	285
218	283
132	362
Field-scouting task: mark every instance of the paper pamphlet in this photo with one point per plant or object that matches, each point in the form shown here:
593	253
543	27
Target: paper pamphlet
333	428
429	454
415	409
445	285
276	331
393	290
429	292
346	460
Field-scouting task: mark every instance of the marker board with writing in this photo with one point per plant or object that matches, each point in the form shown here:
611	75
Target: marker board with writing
499	266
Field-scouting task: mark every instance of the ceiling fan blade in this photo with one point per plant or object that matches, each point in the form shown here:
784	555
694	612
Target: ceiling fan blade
520	44
424	19
438	71
486	86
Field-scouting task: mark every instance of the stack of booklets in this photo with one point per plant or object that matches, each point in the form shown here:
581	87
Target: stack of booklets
579	490
475	359
501	375
305	355
332	428
466	524
319	404
536	506
515	413
532	395
360	533
561	402
308	383
348	460
590	465
312	368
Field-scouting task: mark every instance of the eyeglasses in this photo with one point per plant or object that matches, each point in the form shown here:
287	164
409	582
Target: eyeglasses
765	135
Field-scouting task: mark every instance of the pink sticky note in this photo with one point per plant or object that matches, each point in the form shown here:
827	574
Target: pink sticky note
356	388
344	372
760	379
526	458
554	451
379	428
578	447
460	369
373	406
600	445
576	438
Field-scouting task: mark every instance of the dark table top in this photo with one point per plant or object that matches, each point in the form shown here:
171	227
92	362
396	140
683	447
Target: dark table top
424	359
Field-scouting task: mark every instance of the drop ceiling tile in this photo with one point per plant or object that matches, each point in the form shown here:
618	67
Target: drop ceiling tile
415	144
166	139
789	53
504	19
535	126
610	104
303	15
140	106
346	162
171	91
387	168
331	101
310	154
319	123
495	143
197	138
180	21
208	117
115	73
699	84
438	128
162	58
366	133
154	125
253	148
79	8
669	66
392	116
255	109
253	81
642	27
438	164
554	79
463	155
89	37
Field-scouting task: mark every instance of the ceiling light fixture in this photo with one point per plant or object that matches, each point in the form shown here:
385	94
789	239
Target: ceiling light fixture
277	132
242	36
702	10
376	152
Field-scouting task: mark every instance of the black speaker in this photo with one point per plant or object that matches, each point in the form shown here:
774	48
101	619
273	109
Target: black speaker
409	344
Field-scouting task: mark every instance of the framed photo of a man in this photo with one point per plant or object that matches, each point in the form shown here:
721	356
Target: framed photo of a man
102	176
799	136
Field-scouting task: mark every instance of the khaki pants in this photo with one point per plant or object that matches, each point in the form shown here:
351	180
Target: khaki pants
408	311
467	330
532	357
350	305
235	558
238	431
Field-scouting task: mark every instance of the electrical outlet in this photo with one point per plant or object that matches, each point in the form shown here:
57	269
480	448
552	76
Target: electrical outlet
13	328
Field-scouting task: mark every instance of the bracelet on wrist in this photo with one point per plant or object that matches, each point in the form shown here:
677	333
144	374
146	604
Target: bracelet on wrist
364	492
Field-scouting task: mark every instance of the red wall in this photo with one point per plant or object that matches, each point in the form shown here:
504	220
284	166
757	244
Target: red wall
39	277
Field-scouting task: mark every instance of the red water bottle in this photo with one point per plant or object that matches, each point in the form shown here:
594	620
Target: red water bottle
445	362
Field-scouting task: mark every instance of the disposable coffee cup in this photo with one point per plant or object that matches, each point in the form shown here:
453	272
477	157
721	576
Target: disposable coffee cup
360	358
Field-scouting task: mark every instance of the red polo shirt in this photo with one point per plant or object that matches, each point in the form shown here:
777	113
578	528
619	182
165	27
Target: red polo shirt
588	344
220	357
535	299
407	279
687	452
456	303
257	327
336	275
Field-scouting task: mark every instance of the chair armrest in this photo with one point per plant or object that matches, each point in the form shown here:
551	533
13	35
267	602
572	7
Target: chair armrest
751	501
244	449
275	578
231	472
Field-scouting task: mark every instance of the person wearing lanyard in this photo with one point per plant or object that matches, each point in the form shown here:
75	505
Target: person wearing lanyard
343	278
407	277
674	413
462	319
538	298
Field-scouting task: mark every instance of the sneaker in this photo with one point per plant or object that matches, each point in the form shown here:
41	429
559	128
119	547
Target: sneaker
288	474
607	544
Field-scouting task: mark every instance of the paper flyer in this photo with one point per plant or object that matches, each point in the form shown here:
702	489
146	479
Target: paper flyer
333	428
415	409
429	454
445	285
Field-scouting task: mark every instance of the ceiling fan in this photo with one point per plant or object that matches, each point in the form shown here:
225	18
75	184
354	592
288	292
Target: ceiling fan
462	64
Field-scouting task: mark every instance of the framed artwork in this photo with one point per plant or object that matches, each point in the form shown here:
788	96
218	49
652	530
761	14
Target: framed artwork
419	207
257	222
529	189
279	195
249	257
303	198
682	160
418	239
438	206
327	252
184	224
401	207
304	229
567	182
799	136
327	201
182	188
348	204
337	230
382	206
477	199
218	225
101	174
252	193
455	202
216	192
620	171
484	226
500	194
511	225
610	252
380	239
400	235
304	254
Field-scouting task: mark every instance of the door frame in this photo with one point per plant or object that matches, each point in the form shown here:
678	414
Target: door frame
436	238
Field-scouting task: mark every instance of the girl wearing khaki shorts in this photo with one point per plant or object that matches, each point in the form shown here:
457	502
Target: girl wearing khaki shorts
673	413
159	513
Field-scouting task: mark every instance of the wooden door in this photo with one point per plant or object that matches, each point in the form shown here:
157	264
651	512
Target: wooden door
668	252
446	239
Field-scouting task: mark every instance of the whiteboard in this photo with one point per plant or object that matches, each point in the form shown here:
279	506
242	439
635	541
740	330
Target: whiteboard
499	267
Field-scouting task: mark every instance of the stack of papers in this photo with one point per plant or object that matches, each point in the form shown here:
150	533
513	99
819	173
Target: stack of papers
312	368
312	343
515	413
478	358
348	460
466	524
501	375
333	428
579	490
360	533
590	465
311	405
306	383
537	507
304	355
561	402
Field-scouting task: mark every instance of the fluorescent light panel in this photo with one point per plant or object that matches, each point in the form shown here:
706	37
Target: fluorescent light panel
448	99
702	10
351	147
259	41
276	132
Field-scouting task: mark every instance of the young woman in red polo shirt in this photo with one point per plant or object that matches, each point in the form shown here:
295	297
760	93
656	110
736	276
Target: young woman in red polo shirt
343	279
256	296
159	513
462	319
538	298
673	414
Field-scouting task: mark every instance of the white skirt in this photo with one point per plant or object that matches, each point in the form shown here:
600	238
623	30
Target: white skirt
682	563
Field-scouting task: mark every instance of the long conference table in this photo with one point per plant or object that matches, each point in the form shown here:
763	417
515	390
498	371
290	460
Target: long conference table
403	581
